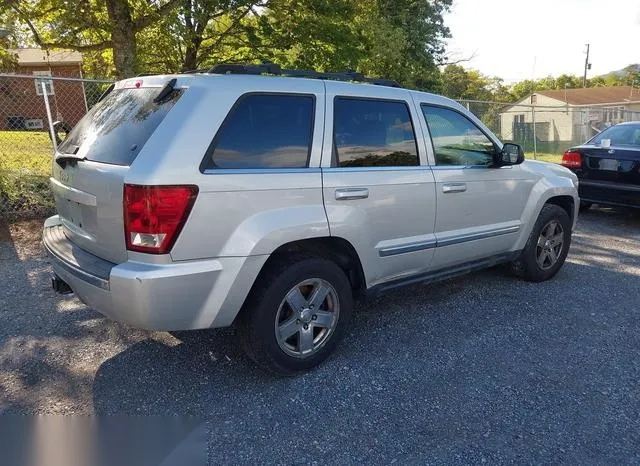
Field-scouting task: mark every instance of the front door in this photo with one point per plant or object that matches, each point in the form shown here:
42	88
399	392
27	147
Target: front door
479	207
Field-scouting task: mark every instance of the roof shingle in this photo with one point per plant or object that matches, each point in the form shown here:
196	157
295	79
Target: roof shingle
594	95
35	56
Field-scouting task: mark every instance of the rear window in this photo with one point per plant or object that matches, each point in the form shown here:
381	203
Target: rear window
115	129
620	135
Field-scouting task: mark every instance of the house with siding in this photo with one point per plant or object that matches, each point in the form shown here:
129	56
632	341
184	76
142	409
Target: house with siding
568	116
22	104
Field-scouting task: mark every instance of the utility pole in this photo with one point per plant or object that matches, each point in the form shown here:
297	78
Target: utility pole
587	66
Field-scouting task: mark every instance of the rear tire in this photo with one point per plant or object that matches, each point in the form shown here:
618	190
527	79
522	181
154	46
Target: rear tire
296	314
547	246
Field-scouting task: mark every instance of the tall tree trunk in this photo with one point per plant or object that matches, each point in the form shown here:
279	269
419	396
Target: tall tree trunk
123	38
191	54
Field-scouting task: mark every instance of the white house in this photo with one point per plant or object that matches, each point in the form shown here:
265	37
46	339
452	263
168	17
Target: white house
569	115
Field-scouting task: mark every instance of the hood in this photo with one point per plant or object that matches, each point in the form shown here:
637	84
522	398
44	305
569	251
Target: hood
550	169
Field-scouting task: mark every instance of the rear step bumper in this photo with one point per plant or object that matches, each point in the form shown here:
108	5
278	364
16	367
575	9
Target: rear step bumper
169	296
59	285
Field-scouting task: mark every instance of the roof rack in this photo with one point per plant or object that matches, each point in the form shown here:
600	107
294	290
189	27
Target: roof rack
273	69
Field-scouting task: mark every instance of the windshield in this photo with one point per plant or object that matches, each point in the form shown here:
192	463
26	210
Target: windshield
115	129
619	135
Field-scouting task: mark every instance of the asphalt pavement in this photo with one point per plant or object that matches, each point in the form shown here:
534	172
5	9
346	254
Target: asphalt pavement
483	368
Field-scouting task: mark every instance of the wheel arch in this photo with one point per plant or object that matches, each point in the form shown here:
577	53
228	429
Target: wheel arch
336	249
566	202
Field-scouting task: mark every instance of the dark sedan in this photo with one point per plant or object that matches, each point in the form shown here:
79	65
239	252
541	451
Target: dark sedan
608	167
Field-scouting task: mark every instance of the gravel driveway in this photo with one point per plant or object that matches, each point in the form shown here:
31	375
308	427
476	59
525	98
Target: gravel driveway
480	368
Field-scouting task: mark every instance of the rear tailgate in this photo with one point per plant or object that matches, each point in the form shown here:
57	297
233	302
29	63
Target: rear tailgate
91	164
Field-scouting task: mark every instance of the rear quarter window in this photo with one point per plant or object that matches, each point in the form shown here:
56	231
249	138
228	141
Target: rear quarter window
116	128
264	131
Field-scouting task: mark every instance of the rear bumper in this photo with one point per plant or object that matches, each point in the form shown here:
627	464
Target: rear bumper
175	296
605	192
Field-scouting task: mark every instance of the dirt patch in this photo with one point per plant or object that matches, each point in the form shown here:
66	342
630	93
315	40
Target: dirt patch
27	238
5	235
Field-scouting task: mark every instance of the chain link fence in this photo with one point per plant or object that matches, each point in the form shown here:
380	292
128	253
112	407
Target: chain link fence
548	131
28	104
32	105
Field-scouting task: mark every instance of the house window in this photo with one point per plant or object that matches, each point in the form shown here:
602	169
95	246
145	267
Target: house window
534	99
47	82
519	119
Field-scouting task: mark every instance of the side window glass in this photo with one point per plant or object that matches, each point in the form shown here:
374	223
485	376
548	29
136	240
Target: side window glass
456	140
265	131
373	133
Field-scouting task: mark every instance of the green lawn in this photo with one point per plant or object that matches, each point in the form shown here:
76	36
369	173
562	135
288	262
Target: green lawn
553	158
25	150
25	166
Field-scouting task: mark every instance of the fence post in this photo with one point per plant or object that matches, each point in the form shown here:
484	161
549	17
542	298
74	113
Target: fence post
535	143
52	132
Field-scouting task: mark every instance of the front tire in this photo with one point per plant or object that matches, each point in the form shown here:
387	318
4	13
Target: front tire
296	314
547	246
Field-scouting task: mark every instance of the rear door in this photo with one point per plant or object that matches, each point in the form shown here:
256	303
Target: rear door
378	190
479	207
89	167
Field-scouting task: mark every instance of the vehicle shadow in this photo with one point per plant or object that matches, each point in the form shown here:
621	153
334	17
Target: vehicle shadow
49	344
481	363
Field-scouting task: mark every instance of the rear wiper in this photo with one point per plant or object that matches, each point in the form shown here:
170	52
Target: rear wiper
69	158
106	92
166	90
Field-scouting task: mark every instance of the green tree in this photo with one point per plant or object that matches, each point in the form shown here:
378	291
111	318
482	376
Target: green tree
565	81
596	81
455	81
308	34
91	25
405	40
522	89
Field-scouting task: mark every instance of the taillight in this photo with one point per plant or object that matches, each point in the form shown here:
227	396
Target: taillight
155	215
571	159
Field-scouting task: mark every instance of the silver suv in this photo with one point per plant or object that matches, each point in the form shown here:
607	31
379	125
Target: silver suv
273	202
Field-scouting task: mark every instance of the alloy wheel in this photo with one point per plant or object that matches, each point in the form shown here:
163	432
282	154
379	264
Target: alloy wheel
307	317
549	246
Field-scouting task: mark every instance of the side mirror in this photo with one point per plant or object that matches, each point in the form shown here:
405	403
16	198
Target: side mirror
511	154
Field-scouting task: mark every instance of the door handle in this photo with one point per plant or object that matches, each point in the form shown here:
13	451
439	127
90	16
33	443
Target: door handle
347	194
454	188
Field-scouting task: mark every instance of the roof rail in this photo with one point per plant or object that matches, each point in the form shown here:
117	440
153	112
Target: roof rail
200	70
273	69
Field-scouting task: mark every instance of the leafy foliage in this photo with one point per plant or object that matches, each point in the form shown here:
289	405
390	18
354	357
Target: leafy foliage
398	39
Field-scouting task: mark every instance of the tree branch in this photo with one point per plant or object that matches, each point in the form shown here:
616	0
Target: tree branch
225	33
455	62
147	20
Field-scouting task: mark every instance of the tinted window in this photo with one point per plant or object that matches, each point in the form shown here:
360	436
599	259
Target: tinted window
115	129
456	140
265	131
621	135
373	133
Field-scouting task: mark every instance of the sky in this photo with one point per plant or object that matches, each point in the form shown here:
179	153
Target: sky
521	39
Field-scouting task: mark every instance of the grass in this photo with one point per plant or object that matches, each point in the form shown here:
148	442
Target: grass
553	158
25	166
